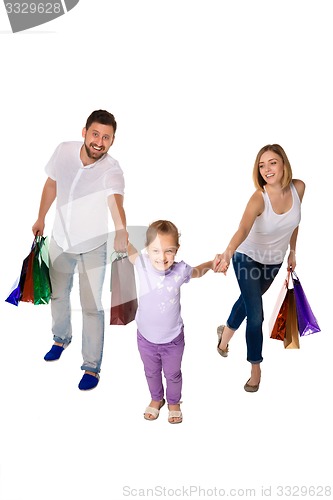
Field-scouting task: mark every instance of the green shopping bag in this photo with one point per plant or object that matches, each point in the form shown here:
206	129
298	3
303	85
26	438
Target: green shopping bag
41	276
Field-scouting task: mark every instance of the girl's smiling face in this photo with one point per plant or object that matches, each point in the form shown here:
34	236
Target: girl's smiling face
162	251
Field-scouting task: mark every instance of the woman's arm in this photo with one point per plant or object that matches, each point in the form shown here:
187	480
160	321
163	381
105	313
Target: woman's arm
253	209
300	188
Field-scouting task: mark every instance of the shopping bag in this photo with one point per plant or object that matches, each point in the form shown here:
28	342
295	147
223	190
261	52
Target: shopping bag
124	301
16	290
291	338
307	322
277	322
16	293
280	325
27	289
41	277
33	284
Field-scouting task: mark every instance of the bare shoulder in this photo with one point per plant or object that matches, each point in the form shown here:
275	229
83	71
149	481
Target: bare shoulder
255	206
300	187
256	202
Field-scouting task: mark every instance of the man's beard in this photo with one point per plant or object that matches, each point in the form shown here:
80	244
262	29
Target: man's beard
95	155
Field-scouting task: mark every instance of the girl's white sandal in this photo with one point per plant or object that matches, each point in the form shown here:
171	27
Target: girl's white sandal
175	414
153	411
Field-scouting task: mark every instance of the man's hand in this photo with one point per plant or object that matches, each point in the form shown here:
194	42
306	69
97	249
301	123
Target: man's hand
120	243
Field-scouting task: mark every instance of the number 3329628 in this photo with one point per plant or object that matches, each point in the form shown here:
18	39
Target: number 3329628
33	8
301	491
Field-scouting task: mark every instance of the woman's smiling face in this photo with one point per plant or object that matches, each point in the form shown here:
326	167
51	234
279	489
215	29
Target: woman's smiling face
271	167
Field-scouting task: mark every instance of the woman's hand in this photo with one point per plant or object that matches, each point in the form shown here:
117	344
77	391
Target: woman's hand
221	263
292	261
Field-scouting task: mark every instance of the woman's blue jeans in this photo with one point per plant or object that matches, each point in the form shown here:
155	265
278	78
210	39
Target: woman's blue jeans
91	267
254	279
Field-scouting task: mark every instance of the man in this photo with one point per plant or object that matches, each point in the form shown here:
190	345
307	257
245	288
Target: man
86	181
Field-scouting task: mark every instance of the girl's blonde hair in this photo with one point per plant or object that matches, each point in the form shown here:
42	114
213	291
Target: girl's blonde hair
258	180
162	227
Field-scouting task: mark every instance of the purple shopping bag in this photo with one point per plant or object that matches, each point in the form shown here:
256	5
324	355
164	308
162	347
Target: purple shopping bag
307	322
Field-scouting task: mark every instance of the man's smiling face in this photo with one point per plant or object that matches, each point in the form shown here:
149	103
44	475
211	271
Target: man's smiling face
98	139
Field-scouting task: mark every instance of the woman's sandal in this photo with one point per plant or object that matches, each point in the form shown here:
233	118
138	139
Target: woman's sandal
153	411
222	352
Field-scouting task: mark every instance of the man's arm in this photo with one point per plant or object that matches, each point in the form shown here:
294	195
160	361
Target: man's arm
115	202
49	194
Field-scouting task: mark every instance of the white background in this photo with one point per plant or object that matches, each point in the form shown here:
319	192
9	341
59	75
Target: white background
197	89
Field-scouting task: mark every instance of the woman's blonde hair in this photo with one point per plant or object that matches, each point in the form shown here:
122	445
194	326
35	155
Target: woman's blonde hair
258	180
162	227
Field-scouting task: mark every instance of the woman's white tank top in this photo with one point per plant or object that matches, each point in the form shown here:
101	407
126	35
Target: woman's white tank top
269	237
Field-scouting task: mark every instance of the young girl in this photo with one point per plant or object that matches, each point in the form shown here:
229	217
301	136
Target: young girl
160	332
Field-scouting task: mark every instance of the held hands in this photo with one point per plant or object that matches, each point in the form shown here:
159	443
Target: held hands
221	263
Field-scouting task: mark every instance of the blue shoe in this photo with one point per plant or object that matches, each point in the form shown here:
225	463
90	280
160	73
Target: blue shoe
88	382
54	353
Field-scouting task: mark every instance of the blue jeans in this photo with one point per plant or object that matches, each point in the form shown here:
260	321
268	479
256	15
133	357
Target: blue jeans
91	268
254	279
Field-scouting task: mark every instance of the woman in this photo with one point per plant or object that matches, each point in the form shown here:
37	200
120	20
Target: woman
257	249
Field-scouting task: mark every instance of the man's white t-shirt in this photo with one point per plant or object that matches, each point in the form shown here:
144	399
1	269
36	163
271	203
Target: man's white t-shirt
82	213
